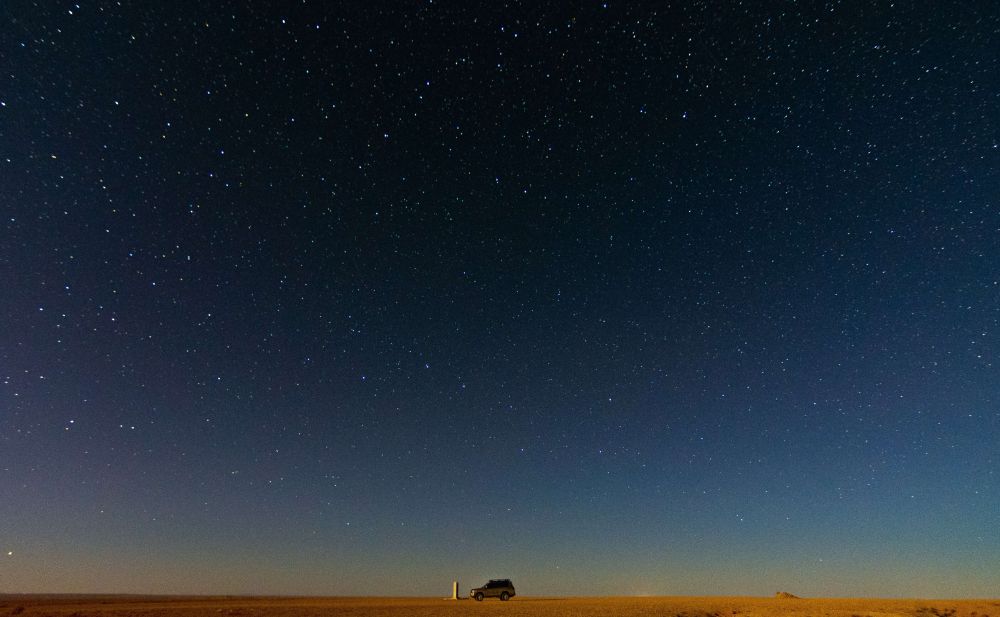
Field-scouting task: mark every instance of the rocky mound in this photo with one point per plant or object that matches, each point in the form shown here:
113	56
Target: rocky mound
784	595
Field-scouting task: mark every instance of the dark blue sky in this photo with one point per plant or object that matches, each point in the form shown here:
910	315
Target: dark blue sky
604	298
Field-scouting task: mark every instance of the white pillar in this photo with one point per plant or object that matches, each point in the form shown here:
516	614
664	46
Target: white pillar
454	590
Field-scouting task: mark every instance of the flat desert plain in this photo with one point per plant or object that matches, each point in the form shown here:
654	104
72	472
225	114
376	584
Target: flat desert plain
175	606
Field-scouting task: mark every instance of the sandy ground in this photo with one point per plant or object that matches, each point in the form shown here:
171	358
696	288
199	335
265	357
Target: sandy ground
136	606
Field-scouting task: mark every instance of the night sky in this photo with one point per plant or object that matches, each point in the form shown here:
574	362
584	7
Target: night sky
606	298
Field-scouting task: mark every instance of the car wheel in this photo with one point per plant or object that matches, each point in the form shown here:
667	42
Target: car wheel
479	597
505	596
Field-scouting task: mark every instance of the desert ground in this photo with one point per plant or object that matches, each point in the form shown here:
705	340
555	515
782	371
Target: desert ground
142	606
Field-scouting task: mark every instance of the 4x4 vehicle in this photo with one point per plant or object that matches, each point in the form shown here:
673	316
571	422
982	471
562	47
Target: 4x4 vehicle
497	588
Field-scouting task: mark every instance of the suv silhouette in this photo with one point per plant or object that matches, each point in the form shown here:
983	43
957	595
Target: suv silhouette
497	588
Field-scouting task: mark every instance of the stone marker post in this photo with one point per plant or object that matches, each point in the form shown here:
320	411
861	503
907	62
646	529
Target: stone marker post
454	590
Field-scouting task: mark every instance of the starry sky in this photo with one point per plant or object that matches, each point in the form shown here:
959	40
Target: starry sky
606	298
